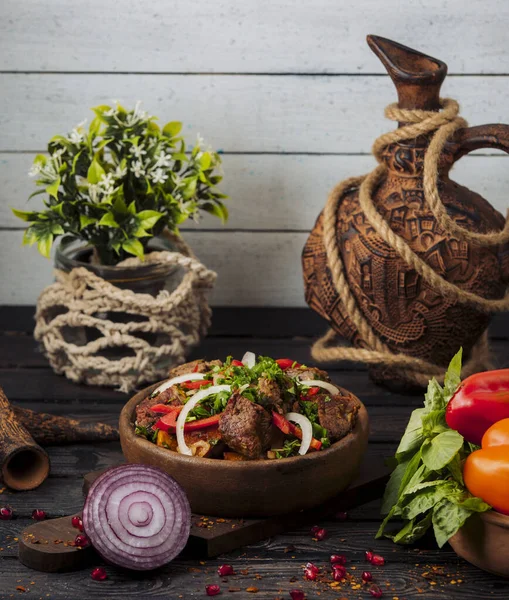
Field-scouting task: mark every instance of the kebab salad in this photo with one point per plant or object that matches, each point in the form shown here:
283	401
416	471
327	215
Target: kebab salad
256	408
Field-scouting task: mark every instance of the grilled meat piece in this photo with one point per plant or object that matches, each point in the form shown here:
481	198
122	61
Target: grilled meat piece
246	427
195	366
338	414
145	417
272	396
307	373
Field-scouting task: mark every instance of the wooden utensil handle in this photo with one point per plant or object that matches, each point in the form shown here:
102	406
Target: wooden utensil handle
24	465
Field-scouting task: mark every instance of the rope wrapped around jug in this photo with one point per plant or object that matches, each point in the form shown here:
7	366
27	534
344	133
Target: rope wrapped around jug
418	122
181	318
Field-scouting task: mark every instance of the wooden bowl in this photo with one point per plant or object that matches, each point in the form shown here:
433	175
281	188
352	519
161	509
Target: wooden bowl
251	488
484	542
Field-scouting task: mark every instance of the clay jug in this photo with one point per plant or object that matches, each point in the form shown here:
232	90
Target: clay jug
405	312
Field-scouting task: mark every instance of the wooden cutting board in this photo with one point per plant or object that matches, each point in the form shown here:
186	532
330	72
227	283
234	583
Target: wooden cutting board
210	536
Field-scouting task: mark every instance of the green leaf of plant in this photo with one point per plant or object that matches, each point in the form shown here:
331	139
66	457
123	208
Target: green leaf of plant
132	208
426	499
44	245
52	189
205	160
85	220
29	237
24	214
453	375
447	519
413	530
134	247
434	397
441	450
434	423
108	220
172	128
216	209
95	172
148	218
392	488
413	437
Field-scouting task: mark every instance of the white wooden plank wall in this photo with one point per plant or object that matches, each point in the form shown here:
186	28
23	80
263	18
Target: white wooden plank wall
287	89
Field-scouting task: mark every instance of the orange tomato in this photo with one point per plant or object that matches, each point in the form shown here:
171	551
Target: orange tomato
497	434
486	475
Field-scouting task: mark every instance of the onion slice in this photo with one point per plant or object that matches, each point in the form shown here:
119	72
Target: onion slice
179	379
306	427
137	517
249	359
188	407
319	383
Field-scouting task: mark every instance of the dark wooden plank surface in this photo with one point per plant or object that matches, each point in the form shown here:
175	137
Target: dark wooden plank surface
274	566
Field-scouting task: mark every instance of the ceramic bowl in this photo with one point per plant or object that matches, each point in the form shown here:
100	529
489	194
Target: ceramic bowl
484	542
251	488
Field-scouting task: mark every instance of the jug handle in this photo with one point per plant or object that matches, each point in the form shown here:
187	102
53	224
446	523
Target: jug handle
481	136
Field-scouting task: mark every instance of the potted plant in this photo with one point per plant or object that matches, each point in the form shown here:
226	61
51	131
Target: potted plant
116	194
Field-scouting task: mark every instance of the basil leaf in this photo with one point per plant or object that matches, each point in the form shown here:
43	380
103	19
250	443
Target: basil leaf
413	531
413	437
434	423
440	451
453	375
447	518
434	396
426	499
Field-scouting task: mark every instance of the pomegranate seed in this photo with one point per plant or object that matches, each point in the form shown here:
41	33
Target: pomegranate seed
212	590
377	560
341	516
315	529
225	570
321	534
312	567
77	522
310	574
338	559
366	576
368	555
81	540
338	572
39	515
297	595
99	574
6	513
375	591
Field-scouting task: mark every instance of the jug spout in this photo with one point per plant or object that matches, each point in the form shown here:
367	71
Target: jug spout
417	77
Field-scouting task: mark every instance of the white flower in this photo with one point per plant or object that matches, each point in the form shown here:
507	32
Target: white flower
159	176
111	112
137	168
163	160
35	169
137	151
107	183
120	172
136	116
76	137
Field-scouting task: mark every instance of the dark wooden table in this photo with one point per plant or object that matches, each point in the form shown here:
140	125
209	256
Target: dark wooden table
273	566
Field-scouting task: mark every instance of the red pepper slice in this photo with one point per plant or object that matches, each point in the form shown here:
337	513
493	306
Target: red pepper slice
169	422
287	363
195	385
165	409
196	367
289	428
237	363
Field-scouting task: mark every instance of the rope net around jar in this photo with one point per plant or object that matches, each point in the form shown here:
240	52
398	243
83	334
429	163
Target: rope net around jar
84	300
415	370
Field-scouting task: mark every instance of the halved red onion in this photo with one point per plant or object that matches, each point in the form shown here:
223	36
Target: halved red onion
137	517
306	427
319	383
179	379
249	359
188	407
